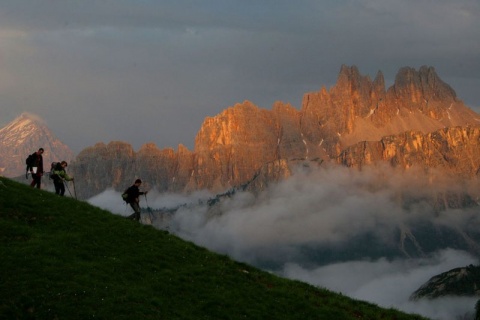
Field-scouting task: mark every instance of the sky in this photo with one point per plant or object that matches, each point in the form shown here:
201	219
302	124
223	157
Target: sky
152	70
325	207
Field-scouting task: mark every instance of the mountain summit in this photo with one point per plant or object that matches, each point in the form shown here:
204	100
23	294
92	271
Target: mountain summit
23	136
418	121
245	141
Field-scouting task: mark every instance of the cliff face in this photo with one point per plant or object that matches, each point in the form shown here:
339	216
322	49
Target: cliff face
420	117
454	150
232	146
103	166
116	165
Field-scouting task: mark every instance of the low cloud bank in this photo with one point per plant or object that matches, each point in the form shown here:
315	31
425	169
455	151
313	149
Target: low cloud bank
320	208
389	283
328	208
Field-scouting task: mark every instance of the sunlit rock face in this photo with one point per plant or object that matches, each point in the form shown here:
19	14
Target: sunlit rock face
417	121
25	135
358	109
444	157
454	150
234	145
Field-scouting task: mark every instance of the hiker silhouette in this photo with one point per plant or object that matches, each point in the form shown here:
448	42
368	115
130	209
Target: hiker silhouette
59	175
131	196
35	166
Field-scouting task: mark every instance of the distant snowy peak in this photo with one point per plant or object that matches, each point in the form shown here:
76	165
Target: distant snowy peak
23	136
25	118
21	129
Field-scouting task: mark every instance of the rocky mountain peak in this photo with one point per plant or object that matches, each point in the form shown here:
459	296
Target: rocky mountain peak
423	84
22	127
349	77
379	84
332	125
23	136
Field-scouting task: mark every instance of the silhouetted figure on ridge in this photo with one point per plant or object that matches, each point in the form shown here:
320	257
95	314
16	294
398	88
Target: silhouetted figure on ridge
131	196
35	166
59	175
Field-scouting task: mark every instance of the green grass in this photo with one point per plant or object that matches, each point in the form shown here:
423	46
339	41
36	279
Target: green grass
64	259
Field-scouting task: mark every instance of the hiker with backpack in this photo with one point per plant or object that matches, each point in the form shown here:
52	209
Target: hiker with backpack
131	196
59	175
35	166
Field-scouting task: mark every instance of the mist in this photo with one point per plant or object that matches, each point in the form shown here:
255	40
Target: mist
389	283
282	229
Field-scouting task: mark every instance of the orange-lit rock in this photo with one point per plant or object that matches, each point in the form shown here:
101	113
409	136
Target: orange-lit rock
418	121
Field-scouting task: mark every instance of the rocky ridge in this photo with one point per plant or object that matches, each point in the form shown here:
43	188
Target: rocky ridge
332	126
464	281
455	150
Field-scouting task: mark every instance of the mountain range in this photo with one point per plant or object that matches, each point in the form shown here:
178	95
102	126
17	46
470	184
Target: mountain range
417	122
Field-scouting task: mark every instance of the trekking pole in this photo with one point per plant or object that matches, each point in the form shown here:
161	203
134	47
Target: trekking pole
74	191
66	185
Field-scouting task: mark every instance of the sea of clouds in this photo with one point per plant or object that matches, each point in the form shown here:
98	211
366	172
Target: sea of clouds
325	207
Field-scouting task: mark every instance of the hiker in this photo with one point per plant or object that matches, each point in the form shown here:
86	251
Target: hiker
132	194
35	166
59	175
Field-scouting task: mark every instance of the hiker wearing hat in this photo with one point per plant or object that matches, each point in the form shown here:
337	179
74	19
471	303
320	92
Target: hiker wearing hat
131	196
59	175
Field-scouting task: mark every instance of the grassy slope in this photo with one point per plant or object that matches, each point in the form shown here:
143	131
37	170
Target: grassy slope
65	259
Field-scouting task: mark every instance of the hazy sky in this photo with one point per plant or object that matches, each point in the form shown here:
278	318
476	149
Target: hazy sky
145	70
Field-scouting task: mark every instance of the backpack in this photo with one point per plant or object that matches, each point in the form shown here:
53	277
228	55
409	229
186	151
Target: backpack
52	168
30	161
125	195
